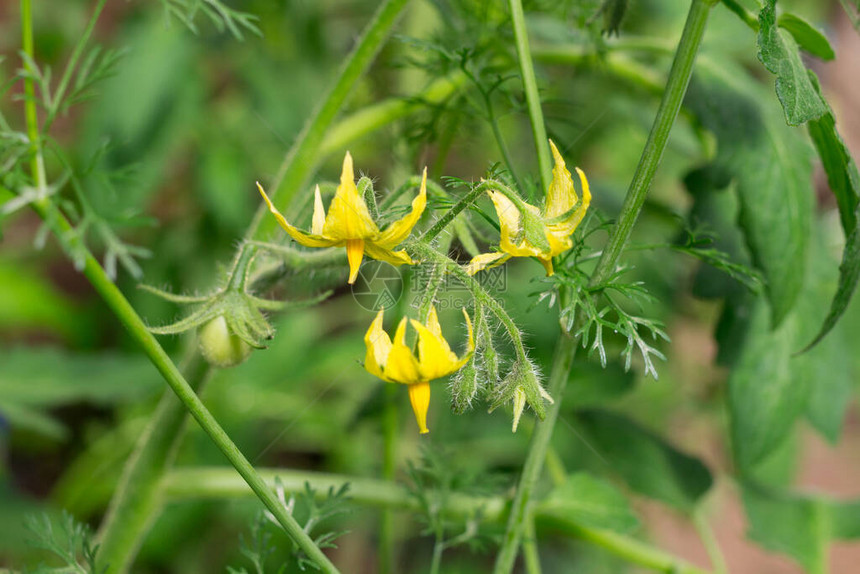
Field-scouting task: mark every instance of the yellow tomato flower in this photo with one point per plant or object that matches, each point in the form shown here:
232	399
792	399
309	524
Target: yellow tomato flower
542	234
348	223
396	363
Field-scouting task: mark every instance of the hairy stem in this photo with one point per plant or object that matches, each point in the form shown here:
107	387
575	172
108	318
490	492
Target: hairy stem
37	162
304	155
222	483
531	90
676	87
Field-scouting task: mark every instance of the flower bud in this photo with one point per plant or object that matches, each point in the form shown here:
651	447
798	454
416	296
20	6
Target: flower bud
219	346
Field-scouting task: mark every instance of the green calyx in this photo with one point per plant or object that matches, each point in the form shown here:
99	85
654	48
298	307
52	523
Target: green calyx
230	321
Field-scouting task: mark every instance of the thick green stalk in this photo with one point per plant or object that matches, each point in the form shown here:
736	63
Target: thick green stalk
138	498
222	483
676	87
531	90
304	155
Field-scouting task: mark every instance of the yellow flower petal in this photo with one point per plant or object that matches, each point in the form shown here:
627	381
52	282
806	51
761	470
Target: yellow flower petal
301	237
512	239
569	225
378	348
561	196
382	254
348	216
486	261
395	233
435	358
433	321
319	213
547	264
419	396
354	254
402	367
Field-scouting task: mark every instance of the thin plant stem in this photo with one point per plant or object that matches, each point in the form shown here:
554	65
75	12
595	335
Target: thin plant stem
676	87
126	314
500	141
37	162
530	549
380	114
304	156
71	65
712	546
209	483
748	18
531	91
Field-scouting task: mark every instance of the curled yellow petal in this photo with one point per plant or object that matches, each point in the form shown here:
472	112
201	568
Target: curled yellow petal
308	240
395	258
402	366
561	196
419	396
486	261
378	348
354	254
395	233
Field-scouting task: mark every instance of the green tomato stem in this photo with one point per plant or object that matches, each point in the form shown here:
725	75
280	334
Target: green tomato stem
676	87
531	90
222	483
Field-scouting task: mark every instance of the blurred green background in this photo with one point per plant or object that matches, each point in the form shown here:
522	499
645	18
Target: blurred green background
176	139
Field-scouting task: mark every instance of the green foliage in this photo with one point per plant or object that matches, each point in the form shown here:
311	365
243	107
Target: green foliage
169	125
771	170
778	52
648	464
807	36
70	542
219	14
311	511
593	503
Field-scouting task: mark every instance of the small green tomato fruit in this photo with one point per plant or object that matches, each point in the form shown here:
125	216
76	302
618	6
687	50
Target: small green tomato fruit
219	346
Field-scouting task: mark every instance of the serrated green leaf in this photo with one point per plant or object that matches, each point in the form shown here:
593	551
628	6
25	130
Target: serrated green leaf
844	180
764	397
807	36
772	170
842	174
649	464
789	524
778	52
591	502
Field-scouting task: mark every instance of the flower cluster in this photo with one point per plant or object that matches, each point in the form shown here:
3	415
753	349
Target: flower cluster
526	231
